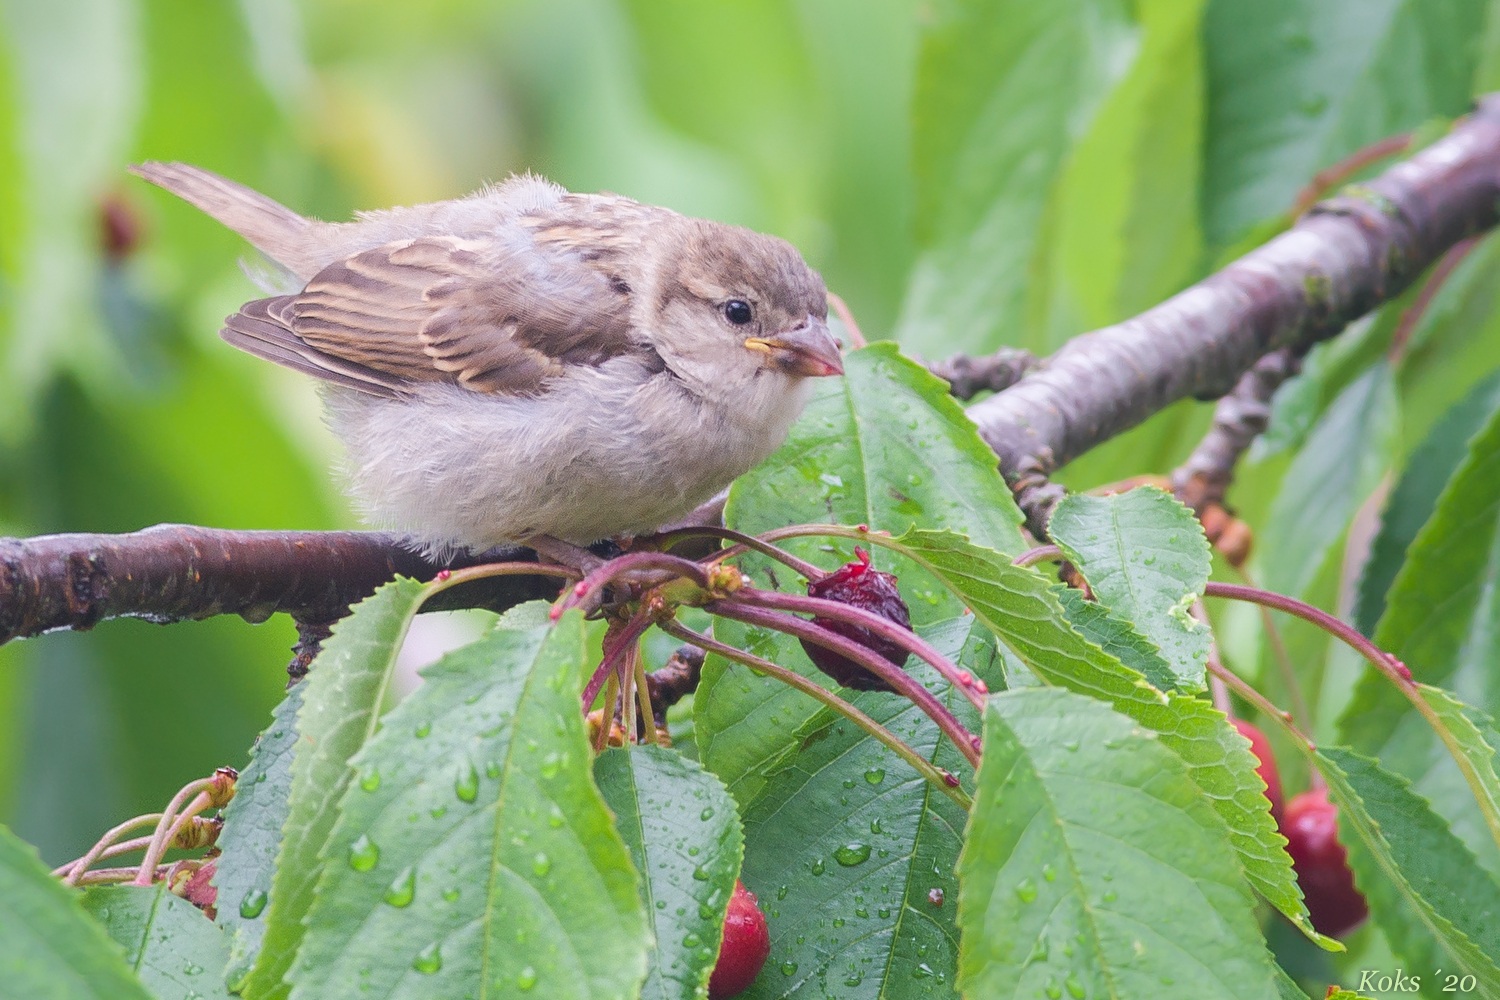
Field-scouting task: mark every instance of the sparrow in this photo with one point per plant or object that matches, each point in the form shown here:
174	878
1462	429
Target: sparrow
526	362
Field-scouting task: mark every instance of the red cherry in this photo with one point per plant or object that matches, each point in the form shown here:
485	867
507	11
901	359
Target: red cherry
1261	747
859	585
1321	863
744	947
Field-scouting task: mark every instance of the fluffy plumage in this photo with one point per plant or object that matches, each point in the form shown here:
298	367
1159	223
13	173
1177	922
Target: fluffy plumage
528	362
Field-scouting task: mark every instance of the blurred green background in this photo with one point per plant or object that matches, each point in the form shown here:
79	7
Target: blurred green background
966	173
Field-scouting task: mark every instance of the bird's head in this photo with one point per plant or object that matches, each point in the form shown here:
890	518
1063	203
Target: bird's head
735	306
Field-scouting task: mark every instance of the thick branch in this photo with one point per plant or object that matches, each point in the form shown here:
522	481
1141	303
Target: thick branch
174	572
1343	258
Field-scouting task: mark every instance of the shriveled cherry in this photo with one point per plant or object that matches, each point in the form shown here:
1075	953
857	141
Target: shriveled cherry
861	586
1261	747
1322	864
743	948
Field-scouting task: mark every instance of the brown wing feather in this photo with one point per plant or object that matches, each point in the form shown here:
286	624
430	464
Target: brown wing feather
484	314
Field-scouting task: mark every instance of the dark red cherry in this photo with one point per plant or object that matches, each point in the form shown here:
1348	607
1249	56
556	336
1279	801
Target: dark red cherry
744	947
1261	747
1321	863
860	585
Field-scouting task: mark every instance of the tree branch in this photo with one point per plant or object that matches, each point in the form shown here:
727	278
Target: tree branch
1342	259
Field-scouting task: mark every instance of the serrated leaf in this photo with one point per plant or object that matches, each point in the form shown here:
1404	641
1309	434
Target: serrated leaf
1342	462
1020	608
885	446
251	838
1415	495
847	841
178	953
685	839
473	855
343	693
1004	91
1440	621
49	948
1088	837
1296	85
1116	636
1413	847
1146	558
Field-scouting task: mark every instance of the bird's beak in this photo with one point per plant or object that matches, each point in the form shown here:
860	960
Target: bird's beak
808	350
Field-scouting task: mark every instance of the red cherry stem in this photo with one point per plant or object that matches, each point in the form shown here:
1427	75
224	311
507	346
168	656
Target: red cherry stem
616	645
883	627
629	563
1039	554
920	764
898	679
1393	669
743	543
198	792
73	870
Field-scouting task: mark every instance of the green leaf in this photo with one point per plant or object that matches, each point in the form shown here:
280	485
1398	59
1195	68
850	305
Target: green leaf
251	838
884	446
1116	636
473	854
1145	556
344	690
1415	496
1005	89
1021	608
178	953
1092	862
49	948
1473	735
847	842
1296	85
685	839
1413	847
1440	621
1342	462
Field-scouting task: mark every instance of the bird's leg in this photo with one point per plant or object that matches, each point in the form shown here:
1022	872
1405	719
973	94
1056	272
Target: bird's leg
565	553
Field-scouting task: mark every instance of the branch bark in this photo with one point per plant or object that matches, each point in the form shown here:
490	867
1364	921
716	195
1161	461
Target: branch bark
1343	258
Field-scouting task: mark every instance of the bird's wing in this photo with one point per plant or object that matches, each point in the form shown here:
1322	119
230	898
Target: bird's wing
490	315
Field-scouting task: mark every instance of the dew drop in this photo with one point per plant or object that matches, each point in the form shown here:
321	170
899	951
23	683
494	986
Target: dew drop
541	865
1075	988
923	971
875	825
781	892
429	960
1049	873
370	782
526	978
817	866
1026	890
788	968
492	769
466	783
421	732
875	775
860	912
363	854
438	812
250	907
1109	897
854	978
451	894
551	765
1054	991
403	889
692	852
883	913
852	854
691	940
707	814
700	873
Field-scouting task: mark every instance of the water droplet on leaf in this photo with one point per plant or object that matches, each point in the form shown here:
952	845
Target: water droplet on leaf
250	907
429	960
363	854
403	889
852	854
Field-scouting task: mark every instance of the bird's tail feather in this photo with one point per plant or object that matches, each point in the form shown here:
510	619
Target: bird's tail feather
271	227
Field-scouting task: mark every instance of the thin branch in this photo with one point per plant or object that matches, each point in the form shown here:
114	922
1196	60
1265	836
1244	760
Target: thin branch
846	317
968	376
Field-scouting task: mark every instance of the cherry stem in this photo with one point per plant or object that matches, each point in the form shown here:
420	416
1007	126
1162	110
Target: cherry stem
846	317
114	876
1261	702
165	825
883	627
458	576
1283	659
615	568
622	636
899	680
744	542
920	764
643	696
1041	553
607	712
1393	669
73	870
625	670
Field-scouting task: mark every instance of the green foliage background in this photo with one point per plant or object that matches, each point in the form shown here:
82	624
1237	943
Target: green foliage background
966	173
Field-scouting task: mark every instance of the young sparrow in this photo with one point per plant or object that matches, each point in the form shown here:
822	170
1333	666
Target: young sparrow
527	362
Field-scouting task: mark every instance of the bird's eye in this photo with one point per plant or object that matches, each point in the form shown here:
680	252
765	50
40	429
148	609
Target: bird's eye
737	311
